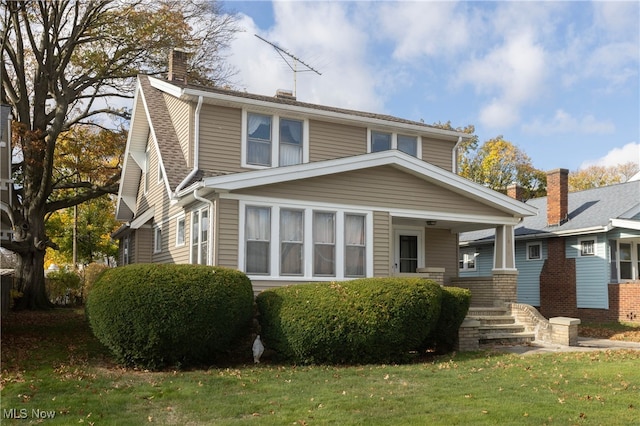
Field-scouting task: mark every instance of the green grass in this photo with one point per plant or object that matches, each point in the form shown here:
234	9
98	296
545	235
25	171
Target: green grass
50	362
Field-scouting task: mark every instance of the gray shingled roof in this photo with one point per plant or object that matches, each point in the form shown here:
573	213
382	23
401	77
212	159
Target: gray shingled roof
587	209
172	158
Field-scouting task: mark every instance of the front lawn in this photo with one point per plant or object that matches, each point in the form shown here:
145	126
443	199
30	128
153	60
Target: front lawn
52	366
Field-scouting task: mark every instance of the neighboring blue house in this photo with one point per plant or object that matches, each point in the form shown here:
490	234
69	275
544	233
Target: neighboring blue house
582	259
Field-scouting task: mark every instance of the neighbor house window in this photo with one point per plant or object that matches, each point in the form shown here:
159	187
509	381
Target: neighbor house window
467	261
324	243
157	240
291	242
180	224
587	247
355	247
382	141
273	141
534	251
626	263
200	236
259	139
258	240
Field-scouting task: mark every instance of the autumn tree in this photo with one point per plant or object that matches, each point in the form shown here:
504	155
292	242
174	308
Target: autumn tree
498	163
597	176
67	62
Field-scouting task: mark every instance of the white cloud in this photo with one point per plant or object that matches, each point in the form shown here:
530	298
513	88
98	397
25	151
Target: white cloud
563	122
628	153
512	74
423	28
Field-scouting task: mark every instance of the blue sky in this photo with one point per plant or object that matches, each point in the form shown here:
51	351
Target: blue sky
558	79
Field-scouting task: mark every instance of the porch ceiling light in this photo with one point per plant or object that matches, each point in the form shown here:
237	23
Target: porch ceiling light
431	222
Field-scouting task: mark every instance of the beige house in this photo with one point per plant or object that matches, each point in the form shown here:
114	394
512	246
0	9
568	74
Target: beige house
291	192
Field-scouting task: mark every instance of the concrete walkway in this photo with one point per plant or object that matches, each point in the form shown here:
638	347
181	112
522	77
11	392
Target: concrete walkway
584	344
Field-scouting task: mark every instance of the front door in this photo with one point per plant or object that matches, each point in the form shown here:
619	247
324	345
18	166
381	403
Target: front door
408	250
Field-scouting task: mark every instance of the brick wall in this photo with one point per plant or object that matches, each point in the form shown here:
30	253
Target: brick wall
624	305
558	282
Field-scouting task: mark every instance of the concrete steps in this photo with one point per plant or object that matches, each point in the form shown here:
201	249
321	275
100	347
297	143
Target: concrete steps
498	327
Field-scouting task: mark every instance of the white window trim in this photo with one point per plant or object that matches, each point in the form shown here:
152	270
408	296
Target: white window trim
275	139
307	243
540	251
595	247
394	140
467	254
182	218
157	231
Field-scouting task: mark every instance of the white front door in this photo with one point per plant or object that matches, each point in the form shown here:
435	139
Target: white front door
408	250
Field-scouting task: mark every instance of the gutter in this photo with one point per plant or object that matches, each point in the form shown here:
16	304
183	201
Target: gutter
196	151
454	152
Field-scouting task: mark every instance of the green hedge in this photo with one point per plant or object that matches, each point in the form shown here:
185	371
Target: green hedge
361	321
455	305
153	316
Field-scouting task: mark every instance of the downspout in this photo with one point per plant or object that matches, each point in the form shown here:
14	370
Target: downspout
454	159
210	230
196	150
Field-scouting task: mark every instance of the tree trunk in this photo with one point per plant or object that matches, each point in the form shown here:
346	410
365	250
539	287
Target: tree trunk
30	277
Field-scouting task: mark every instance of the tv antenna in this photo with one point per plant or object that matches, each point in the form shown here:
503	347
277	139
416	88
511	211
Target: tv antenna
282	52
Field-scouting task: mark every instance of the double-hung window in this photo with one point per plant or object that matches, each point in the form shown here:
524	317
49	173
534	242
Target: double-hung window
180	231
467	261
200	236
382	141
157	239
273	141
355	245
291	242
534	251
258	240
324	243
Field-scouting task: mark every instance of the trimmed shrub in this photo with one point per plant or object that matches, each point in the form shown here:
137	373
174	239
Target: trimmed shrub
361	321
455	305
91	273
153	316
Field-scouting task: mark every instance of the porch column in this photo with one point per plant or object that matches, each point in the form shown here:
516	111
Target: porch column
505	273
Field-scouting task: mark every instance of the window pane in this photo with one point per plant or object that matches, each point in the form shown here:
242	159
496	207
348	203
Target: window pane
625	252
324	243
290	131
380	141
259	153
180	232
354	230
259	127
534	251
587	248
257	257
354	261
625	270
290	154
471	261
408	144
291	237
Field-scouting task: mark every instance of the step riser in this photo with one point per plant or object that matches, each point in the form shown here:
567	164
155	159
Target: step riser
493	320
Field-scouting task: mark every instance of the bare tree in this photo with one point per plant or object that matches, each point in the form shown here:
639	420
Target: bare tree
63	63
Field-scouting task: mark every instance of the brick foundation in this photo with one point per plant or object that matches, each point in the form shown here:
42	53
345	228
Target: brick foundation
624	305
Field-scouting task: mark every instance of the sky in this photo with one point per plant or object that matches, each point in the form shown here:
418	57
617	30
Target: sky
560	80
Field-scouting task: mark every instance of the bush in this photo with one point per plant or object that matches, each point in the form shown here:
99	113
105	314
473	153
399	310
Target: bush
154	316
455	305
91	273
361	321
64	287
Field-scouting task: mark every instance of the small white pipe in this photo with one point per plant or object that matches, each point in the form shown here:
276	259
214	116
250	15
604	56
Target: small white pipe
196	149
454	162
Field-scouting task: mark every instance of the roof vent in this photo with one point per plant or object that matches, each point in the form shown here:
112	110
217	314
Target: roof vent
285	94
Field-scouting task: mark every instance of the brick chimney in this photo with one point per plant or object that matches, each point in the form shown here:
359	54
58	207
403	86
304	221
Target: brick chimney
515	191
177	66
557	196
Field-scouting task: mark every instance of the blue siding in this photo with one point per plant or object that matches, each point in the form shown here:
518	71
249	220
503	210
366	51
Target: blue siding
529	273
484	261
592	272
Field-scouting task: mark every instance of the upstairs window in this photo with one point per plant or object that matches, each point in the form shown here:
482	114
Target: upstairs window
381	141
273	141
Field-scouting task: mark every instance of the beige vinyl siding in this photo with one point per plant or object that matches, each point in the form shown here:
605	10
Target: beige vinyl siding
170	253
143	245
383	186
441	248
438	152
227	233
331	140
381	244
180	113
220	138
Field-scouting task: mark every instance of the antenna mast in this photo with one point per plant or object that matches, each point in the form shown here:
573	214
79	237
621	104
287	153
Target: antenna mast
296	60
